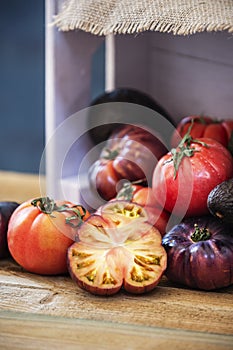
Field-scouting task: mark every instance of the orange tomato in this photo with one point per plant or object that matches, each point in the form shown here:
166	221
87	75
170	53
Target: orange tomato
40	232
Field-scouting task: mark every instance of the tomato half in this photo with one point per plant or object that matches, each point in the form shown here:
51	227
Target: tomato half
117	248
145	197
184	177
40	232
207	127
130	153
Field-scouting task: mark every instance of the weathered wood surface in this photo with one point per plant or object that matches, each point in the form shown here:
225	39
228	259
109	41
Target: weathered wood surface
38	312
48	310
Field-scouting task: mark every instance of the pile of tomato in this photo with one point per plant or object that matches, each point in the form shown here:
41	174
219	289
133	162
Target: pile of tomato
154	220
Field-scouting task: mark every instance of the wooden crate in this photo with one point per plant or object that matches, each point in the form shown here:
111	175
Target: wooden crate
185	74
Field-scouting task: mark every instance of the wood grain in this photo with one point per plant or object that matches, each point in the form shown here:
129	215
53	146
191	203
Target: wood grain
168	306
30	331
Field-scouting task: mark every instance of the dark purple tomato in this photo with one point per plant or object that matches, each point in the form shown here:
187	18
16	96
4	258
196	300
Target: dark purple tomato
200	253
6	210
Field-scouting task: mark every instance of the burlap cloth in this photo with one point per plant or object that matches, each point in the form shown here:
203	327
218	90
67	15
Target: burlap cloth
183	17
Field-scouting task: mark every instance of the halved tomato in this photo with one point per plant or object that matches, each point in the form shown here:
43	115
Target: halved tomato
145	197
117	247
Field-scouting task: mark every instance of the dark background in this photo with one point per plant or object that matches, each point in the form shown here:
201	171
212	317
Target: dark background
22	39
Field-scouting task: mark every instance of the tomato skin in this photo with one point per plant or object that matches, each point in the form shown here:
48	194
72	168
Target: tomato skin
186	195
106	178
204	127
38	241
130	153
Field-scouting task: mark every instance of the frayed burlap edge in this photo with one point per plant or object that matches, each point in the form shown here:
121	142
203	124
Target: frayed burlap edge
68	20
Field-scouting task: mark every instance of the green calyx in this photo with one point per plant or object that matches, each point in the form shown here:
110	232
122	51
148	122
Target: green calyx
126	192
184	149
48	206
200	234
110	154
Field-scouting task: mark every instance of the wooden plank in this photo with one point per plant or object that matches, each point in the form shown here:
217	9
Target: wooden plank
212	47
166	307
187	85
30	331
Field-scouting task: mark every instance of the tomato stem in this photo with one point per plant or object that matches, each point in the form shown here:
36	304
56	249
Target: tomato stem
48	206
110	154
44	204
184	149
127	190
200	234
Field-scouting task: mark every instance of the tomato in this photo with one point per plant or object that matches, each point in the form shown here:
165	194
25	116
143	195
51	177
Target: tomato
116	248
200	253
40	232
184	177
130	153
144	196
219	130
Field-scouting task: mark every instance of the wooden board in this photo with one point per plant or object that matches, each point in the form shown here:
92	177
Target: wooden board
38	312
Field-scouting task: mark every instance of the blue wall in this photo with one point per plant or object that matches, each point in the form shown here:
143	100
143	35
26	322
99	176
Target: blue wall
21	84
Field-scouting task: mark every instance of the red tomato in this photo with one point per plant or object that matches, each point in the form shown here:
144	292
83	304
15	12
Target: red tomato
40	232
117	248
219	130
184	177
131	153
144	196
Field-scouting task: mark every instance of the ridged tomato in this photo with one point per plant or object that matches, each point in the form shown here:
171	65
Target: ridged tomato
219	130
184	177
131	153
40	232
200	253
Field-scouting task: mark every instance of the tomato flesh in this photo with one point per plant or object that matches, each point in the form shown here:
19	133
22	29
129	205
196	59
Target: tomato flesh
117	250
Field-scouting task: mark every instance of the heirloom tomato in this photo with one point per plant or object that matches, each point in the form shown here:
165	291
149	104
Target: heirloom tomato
144	196
40	232
200	253
131	153
219	130
117	248
184	177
